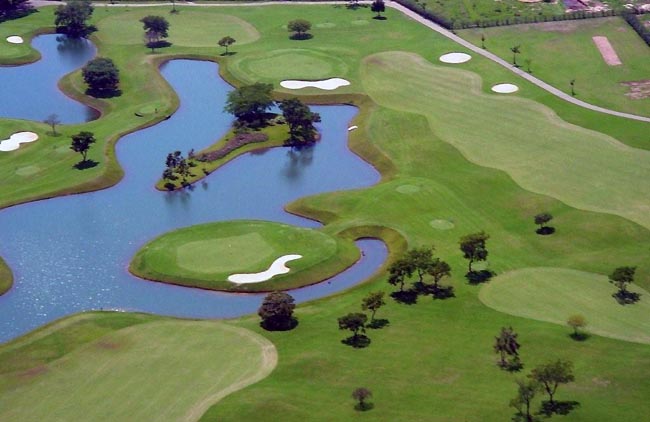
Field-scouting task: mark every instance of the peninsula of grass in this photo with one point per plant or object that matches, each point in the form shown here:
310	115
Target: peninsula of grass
6	277
532	292
205	255
181	366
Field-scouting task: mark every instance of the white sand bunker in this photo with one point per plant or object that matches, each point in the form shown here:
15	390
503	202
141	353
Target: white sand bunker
276	268
607	51
327	84
455	58
14	141
15	39
505	88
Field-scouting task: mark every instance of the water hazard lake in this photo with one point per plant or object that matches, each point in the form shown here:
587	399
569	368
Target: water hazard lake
71	254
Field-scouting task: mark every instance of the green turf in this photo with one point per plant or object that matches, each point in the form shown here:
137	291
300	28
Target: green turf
542	153
562	51
164	370
554	294
205	255
432	353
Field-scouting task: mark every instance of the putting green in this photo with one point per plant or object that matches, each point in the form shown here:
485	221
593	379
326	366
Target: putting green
278	65
543	154
186	28
205	255
554	294
158	371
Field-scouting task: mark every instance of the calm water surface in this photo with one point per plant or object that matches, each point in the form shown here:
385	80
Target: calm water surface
71	254
31	92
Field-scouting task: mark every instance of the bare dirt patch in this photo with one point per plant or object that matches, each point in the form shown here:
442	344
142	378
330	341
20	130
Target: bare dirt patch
108	345
32	372
638	89
607	51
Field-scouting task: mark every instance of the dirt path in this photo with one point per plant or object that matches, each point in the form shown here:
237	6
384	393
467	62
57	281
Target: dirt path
269	356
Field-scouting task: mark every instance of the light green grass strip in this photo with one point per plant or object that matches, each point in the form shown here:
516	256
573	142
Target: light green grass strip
160	371
554	294
541	152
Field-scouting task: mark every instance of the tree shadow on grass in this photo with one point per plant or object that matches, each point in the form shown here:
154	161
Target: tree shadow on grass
545	231
478	277
85	164
380	18
579	336
230	53
359	342
279	325
549	409
378	324
513	365
624	297
301	37
407	297
104	93
363	407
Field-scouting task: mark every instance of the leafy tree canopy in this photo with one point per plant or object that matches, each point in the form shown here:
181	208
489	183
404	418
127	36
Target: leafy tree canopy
550	375
299	26
250	103
101	75
71	18
300	120
81	143
277	311
473	247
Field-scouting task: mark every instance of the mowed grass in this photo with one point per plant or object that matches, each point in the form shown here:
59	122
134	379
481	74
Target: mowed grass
146	369
554	294
205	255
542	153
562	51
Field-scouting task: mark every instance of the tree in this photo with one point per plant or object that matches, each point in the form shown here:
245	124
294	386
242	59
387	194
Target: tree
102	76
542	219
526	392
438	269
378	7
576	321
550	375
621	277
420	259
473	247
155	30
14	8
483	41
71	18
515	50
399	271
300	29
373	302
355	322
250	103
52	120
81	143
277	312
300	120
506	345
362	394
226	42
572	82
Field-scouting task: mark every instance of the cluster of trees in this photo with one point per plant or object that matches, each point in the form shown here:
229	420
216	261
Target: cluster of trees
250	104
11	9
176	165
72	18
420	262
357	322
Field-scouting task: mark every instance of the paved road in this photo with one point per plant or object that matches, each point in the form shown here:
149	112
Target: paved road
439	29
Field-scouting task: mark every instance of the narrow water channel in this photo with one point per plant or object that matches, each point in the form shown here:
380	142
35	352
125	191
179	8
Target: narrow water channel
71	254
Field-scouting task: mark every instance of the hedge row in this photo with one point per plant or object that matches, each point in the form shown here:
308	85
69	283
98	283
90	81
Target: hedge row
638	26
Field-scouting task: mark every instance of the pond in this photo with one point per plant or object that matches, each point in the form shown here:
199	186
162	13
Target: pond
31	92
71	254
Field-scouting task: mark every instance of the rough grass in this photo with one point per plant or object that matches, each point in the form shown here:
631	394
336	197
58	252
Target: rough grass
205	255
562	51
542	153
534	292
161	369
6	277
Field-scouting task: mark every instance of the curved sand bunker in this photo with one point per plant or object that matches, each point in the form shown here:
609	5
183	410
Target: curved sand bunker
327	84
14	141
505	88
15	39
277	267
455	58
